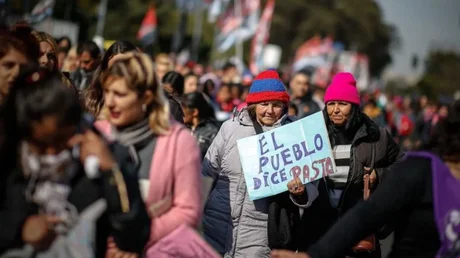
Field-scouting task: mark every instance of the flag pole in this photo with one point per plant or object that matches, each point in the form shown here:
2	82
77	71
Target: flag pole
239	42
101	18
197	30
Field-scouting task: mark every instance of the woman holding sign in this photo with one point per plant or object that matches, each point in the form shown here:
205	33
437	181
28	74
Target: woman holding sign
233	224
361	149
421	196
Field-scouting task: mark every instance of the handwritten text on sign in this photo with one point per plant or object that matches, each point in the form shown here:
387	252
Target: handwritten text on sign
270	160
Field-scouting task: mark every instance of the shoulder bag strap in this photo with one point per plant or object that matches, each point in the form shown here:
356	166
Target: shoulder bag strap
367	190
257	126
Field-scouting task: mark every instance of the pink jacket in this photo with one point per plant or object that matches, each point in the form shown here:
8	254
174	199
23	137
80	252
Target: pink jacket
176	172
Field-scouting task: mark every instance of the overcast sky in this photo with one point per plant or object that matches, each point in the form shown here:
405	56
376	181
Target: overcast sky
421	25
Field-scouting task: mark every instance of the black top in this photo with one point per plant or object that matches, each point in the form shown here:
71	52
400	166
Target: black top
405	200
130	230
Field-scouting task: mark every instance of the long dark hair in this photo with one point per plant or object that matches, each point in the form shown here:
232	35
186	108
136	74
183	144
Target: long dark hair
176	80
349	129
445	140
94	93
199	101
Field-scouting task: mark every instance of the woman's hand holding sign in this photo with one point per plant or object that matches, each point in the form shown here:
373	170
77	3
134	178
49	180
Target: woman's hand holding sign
297	190
296	187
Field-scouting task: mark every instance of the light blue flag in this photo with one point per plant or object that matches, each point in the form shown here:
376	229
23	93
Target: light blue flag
271	159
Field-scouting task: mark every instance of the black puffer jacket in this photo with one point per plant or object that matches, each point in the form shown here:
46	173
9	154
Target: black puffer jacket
205	133
368	138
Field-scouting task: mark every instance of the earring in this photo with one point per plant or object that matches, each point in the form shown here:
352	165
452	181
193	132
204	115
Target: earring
144	108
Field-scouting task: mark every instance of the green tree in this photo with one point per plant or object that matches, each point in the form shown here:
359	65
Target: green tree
441	76
358	24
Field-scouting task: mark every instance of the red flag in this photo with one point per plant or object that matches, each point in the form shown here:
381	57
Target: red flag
147	32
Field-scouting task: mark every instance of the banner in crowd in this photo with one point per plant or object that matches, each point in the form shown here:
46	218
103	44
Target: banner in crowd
148	29
216	8
42	10
261	38
271	159
234	25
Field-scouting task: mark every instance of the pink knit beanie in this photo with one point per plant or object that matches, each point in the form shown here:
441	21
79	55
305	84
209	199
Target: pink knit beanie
342	88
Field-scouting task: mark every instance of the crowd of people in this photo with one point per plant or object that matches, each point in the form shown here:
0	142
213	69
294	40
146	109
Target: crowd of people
113	153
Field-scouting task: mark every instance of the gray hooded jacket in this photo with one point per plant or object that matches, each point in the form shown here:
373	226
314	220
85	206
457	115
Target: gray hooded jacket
233	224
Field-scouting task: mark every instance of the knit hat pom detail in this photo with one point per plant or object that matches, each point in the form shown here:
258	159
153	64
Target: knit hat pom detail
267	86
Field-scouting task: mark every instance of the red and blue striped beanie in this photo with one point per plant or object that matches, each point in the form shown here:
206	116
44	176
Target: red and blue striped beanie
267	86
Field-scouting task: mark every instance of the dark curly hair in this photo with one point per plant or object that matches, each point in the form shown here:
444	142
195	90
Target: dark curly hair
445	140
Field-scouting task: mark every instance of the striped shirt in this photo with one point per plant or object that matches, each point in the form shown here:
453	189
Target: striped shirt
339	178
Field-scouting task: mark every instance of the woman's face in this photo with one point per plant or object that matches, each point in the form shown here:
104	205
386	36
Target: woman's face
224	94
190	84
124	104
338	112
71	61
64	43
189	114
269	112
10	65
47	56
235	91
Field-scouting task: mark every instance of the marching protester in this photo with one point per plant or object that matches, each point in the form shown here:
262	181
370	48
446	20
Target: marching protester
233	224
302	94
200	117
139	118
18	48
71	62
66	189
88	58
93	95
190	83
48	55
173	84
420	197
156	155
360	148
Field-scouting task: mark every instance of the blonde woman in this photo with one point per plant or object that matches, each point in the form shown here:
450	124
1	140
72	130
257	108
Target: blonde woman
167	155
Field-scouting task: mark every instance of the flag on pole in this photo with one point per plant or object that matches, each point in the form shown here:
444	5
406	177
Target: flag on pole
42	10
232	26
216	8
261	37
147	32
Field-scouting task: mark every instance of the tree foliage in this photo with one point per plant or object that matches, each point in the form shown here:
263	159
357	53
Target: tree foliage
441	75
358	24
